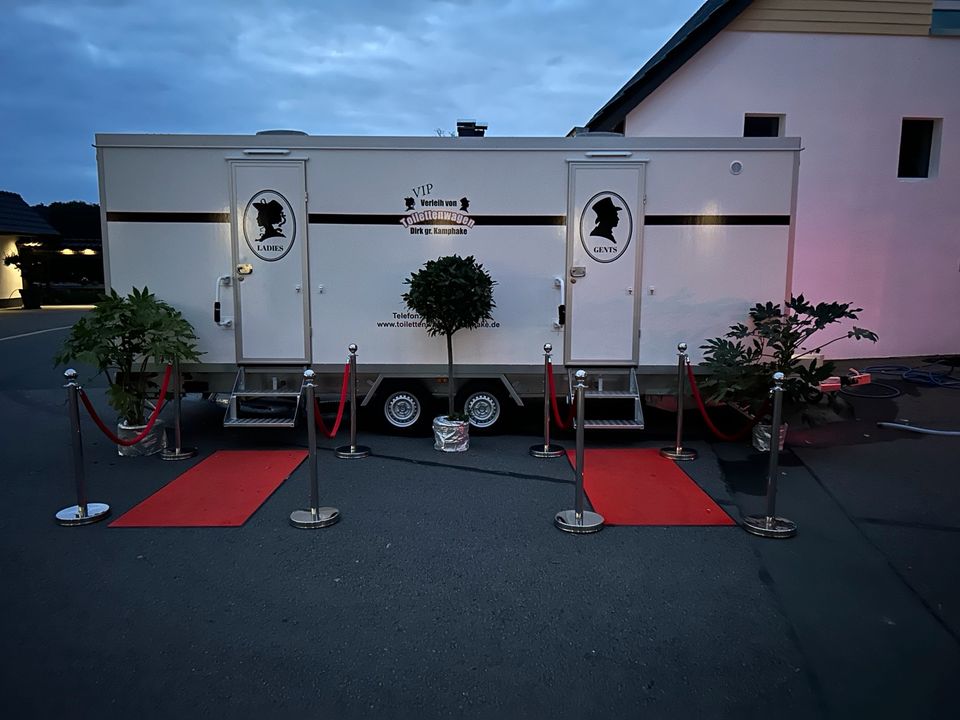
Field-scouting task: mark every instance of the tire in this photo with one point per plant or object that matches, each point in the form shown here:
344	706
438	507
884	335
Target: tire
404	409
486	406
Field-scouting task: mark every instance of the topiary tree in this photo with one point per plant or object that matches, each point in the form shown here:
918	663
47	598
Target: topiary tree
450	293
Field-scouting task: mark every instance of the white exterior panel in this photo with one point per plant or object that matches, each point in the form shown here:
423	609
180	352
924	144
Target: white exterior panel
169	220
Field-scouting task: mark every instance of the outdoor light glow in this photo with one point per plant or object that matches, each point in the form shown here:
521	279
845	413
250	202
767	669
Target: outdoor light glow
88	251
68	251
33	244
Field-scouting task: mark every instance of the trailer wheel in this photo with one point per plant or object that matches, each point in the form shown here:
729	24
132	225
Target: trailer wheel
405	408
485	405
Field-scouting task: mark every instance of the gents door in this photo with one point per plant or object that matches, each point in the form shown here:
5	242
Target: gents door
270	261
604	221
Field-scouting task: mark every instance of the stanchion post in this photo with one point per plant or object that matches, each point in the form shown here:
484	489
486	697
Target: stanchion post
315	517
770	525
83	513
178	452
353	451
678	452
578	520
546	450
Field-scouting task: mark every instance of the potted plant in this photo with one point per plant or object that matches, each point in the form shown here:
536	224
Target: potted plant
742	362
120	337
31	293
451	293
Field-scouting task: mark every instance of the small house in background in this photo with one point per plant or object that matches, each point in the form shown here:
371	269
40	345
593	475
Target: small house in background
871	89
51	253
24	236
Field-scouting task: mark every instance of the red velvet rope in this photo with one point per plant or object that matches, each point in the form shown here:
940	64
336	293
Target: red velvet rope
343	400
742	434
562	423
153	417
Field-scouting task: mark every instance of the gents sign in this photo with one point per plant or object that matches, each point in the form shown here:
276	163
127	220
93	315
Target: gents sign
269	225
606	227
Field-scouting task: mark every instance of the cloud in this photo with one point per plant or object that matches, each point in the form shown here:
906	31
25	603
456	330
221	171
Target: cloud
366	67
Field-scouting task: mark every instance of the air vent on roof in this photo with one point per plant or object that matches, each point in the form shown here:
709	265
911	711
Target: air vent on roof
281	132
578	131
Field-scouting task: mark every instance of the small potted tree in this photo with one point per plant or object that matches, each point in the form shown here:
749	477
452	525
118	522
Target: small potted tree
743	361
120	337
451	293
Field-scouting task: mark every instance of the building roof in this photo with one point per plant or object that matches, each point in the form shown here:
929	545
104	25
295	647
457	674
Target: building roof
18	218
712	17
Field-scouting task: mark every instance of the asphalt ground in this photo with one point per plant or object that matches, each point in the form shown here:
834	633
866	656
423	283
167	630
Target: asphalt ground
445	590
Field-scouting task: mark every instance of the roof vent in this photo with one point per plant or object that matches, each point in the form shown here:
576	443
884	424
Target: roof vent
578	131
281	132
470	128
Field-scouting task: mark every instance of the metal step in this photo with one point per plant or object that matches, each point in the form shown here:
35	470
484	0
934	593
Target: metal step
260	386
611	425
625	387
259	422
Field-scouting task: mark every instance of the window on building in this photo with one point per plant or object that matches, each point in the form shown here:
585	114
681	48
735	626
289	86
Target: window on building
763	125
919	148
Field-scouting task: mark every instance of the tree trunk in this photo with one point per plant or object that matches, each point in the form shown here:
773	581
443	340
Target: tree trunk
450	374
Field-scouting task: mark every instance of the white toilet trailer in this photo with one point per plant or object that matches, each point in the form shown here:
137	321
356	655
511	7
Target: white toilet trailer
610	249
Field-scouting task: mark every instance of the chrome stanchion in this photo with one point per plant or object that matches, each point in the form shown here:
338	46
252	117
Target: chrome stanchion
315	517
678	452
178	452
353	450
83	513
546	450
770	525
579	520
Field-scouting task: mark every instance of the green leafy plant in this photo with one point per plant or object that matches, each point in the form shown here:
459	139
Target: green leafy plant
122	335
743	361
451	293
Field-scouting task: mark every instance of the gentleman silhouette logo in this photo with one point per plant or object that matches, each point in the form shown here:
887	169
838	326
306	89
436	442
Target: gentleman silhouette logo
269	225
607	218
606	226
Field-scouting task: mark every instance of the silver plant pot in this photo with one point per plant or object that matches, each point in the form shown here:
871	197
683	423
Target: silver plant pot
154	442
451	435
761	437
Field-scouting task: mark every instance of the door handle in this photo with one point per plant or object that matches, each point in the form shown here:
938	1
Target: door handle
245	269
578	272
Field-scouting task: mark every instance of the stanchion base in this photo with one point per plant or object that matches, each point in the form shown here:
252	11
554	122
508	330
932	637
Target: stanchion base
175	454
547	451
771	527
352	451
674	453
324	517
72	515
589	522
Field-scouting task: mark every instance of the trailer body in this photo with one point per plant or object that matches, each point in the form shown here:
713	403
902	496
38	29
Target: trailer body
610	249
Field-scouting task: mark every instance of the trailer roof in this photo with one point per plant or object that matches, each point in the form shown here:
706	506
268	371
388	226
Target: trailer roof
586	142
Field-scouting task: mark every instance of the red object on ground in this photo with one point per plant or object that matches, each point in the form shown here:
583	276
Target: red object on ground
222	491
639	487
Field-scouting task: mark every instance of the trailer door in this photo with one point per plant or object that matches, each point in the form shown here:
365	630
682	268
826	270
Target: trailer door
270	261
604	221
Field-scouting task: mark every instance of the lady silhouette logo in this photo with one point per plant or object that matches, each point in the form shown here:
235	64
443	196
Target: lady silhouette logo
269	225
604	233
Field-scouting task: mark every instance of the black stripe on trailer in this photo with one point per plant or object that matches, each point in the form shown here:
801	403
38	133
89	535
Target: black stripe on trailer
372	219
717	220
168	217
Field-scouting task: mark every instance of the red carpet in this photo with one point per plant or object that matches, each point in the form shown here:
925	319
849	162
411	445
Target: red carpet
638	487
222	491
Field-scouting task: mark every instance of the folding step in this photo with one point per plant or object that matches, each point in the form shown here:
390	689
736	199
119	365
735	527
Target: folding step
609	387
265	397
